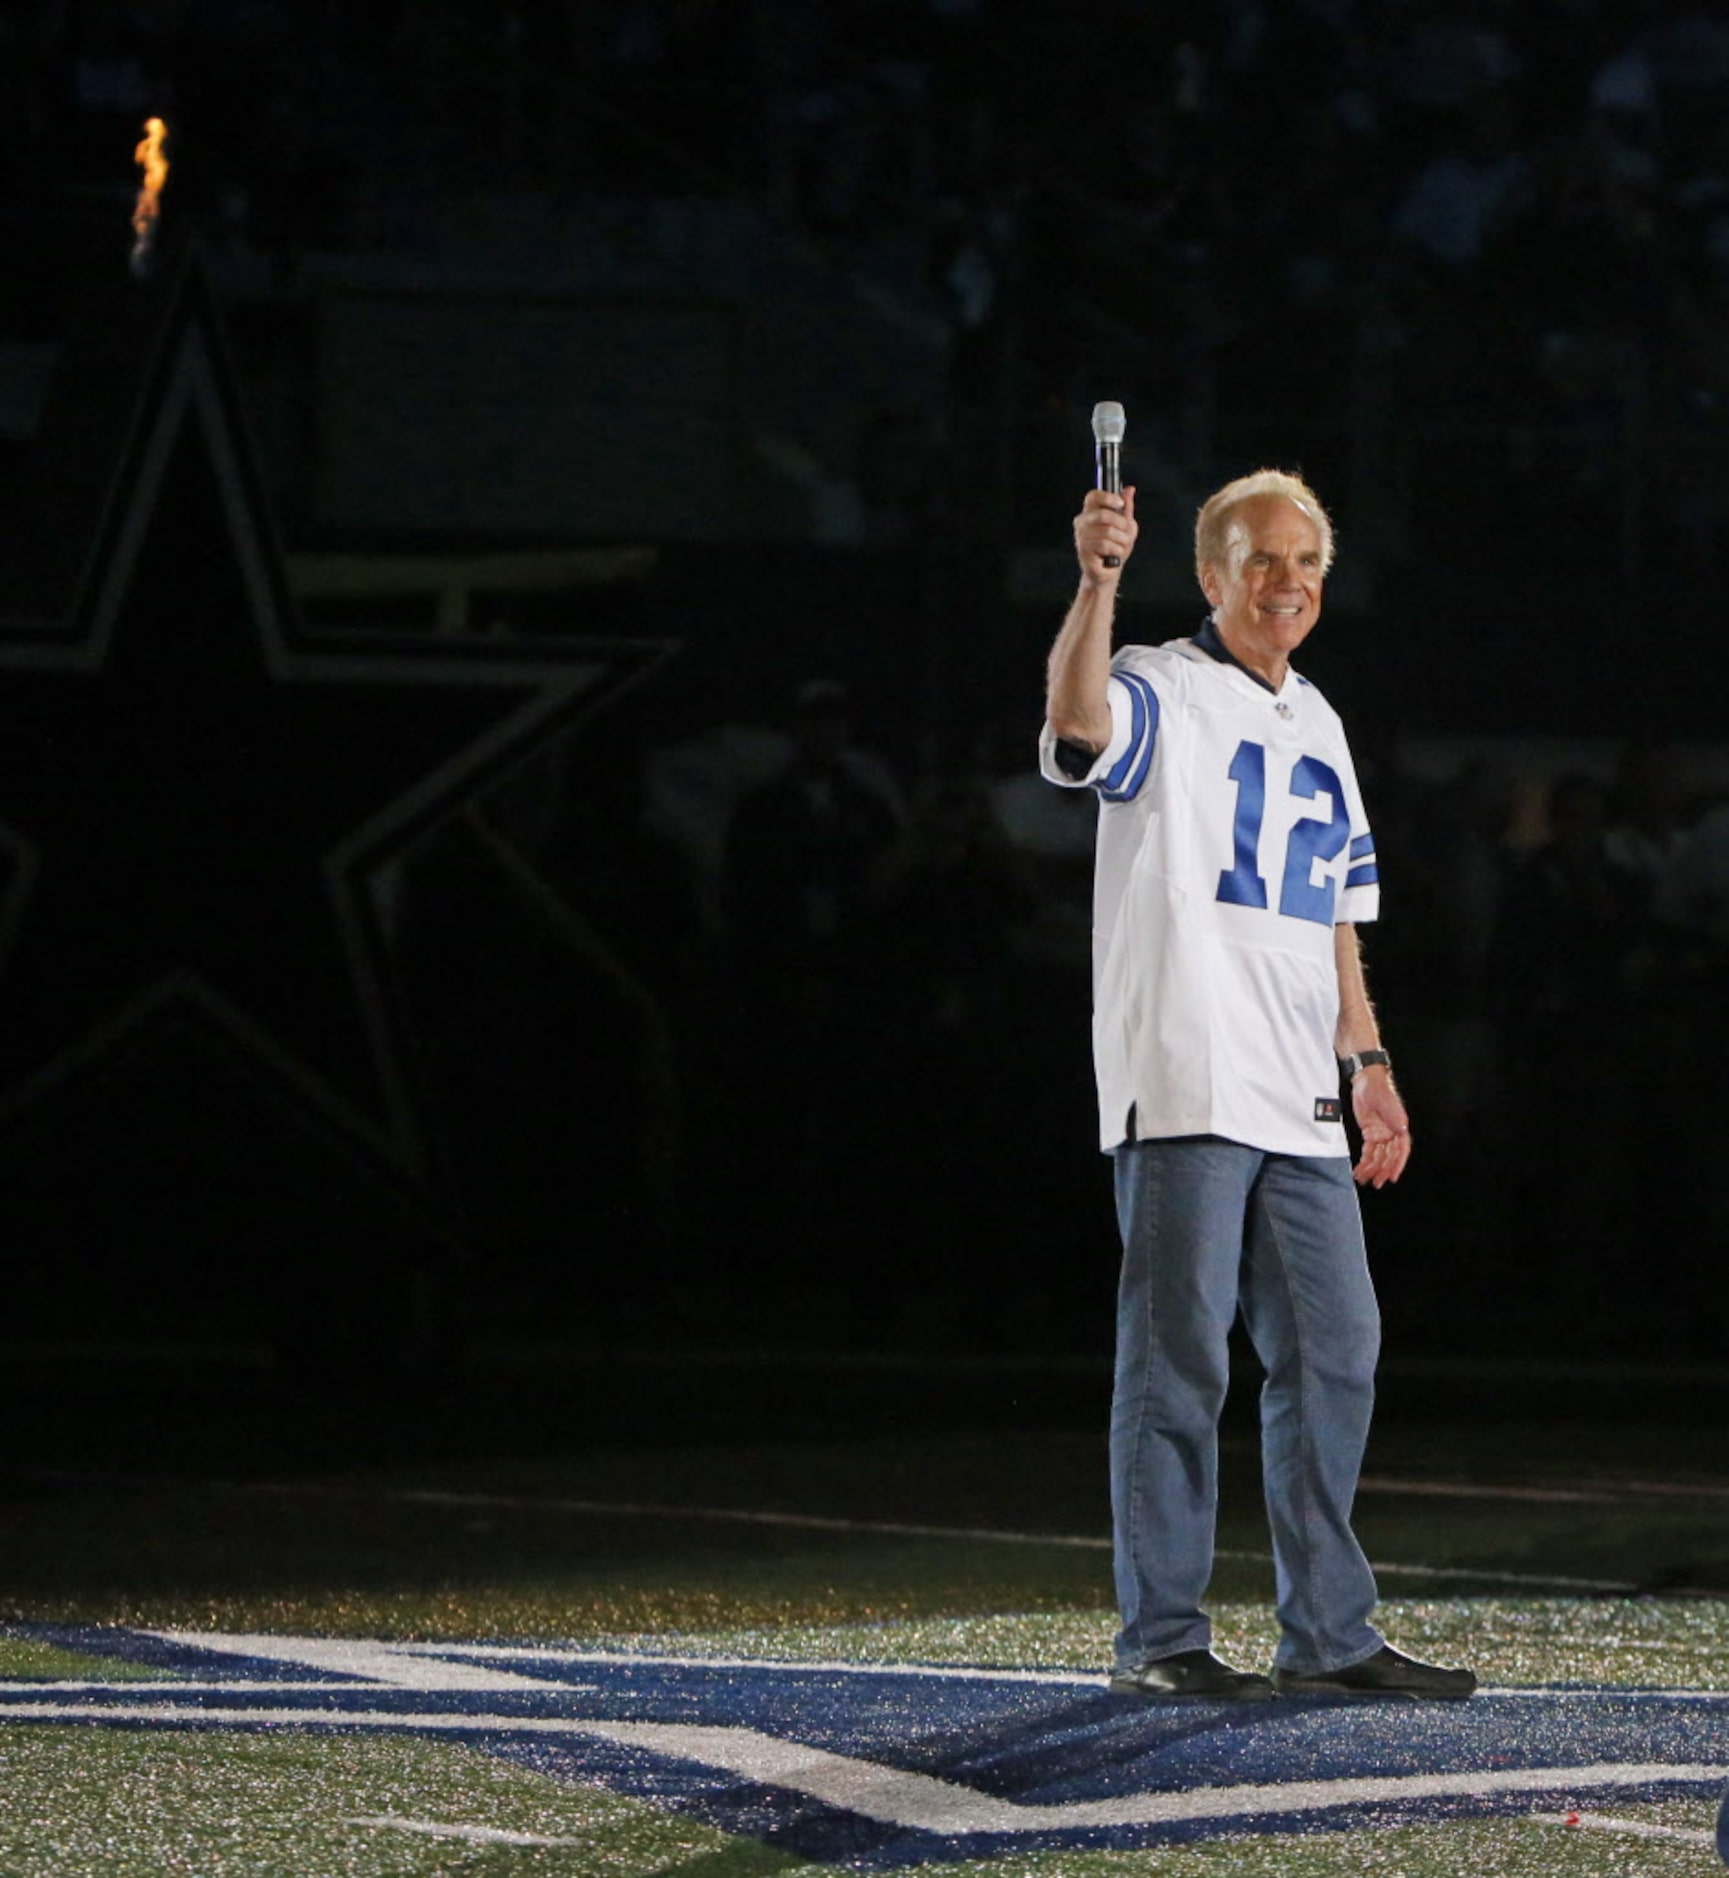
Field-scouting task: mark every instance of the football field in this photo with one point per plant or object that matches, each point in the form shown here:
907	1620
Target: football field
706	1617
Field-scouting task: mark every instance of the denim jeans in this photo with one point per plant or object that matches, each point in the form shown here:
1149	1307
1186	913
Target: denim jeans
1209	1225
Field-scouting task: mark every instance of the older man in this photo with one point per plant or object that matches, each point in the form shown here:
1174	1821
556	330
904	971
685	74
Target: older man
1234	864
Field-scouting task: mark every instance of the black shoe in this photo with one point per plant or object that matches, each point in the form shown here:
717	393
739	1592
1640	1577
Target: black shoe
1191	1676
1387	1673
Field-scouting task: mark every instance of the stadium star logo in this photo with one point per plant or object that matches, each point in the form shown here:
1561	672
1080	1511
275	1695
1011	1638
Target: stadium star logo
201	795
883	1767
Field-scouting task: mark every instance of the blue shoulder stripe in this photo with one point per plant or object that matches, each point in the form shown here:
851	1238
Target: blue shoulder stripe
1137	729
1146	762
1367	874
1124	782
1364	844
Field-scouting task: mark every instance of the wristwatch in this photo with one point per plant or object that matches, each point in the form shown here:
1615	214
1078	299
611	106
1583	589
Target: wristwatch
1364	1059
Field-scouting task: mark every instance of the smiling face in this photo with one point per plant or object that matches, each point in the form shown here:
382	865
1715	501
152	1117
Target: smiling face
1266	590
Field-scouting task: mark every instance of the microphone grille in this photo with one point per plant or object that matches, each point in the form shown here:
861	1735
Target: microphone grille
1109	423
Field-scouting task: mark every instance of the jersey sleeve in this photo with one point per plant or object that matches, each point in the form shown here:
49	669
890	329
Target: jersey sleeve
1360	897
1120	769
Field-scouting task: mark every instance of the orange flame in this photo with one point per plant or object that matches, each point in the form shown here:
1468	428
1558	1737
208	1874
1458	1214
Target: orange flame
149	158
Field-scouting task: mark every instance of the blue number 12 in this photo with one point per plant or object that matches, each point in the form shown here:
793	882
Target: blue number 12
1313	839
1241	883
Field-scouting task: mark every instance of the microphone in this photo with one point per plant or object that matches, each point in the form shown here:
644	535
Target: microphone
1109	425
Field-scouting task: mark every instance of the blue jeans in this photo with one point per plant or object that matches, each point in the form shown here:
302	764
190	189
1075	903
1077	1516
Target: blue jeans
1209	1225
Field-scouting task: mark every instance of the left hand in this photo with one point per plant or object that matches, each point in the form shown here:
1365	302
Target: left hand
1386	1128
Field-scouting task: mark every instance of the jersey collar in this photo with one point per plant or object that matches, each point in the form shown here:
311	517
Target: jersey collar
1213	645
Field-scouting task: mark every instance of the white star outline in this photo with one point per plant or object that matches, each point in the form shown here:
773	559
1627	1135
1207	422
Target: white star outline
888	1796
565	681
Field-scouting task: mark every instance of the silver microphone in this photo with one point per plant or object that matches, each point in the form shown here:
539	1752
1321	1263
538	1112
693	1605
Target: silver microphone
1109	426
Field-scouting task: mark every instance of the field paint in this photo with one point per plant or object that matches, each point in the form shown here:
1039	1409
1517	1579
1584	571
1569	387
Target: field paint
917	1802
362	1659
1467	1574
1634	1828
1692	1645
1677	1489
1466	1490
1521	1692
431	1677
716	1740
189	1685
1618	1696
548	1653
1073	1678
444	1667
904	1529
475	1835
749	1516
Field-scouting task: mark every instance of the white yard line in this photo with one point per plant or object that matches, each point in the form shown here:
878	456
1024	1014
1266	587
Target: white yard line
1468	1574
1630	1828
1073	1678
178	1686
749	1516
906	1529
475	1835
1693	1646
455	1668
1468	1490
550	1653
433	1684
1676	1489
361	1659
1541	1692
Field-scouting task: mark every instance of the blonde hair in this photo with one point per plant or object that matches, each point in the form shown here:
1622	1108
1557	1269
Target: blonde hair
1213	524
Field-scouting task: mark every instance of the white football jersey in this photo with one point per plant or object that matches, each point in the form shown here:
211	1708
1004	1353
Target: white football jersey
1231	840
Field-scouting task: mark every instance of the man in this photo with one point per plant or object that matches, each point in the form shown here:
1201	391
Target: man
1234	862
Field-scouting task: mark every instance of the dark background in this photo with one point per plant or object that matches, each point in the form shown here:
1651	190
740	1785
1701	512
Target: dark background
784	1044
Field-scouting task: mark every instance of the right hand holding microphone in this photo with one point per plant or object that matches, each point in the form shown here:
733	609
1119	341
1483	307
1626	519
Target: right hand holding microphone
1105	527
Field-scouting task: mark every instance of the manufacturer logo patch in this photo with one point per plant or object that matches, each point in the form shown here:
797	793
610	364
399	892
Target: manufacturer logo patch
1329	1109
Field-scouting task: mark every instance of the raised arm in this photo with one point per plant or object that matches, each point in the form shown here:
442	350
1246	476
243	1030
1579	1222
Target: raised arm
1375	1100
1076	704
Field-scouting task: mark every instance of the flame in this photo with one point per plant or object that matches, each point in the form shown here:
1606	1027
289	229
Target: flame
149	158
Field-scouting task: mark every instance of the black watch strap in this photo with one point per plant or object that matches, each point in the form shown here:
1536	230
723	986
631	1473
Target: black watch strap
1364	1059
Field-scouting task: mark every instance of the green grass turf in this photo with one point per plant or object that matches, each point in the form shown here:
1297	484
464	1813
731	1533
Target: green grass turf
350	1554
1502	1848
25	1659
1636	1643
87	1801
115	1805
1651	1643
90	1804
335	1549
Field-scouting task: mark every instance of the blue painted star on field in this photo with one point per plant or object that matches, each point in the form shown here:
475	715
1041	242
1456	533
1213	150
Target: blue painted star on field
885	1767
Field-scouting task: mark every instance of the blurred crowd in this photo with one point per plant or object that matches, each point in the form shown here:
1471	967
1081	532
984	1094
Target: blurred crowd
1465	260
1551	960
1333	221
859	1016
